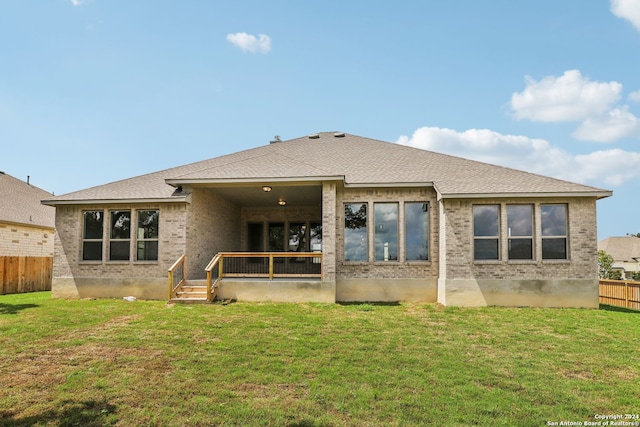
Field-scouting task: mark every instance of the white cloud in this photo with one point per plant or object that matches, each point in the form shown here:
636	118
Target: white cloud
250	43
635	96
573	97
610	167
570	97
627	9
80	2
615	166
615	124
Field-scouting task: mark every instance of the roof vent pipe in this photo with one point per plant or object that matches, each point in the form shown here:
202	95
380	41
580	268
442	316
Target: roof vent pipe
314	136
339	134
275	139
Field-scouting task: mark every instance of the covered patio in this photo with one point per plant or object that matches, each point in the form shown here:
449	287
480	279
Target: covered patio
272	232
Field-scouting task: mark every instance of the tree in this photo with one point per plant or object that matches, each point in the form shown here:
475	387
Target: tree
615	275
605	265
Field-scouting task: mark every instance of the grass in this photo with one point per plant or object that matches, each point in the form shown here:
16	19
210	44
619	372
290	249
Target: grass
113	362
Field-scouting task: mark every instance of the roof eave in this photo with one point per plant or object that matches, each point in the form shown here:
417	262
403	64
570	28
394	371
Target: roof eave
568	194
388	184
175	199
256	180
31	225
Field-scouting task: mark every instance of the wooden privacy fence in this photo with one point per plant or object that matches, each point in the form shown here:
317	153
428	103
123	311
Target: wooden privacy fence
20	274
621	293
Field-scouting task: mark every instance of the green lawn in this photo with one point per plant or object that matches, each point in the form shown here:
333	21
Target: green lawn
113	362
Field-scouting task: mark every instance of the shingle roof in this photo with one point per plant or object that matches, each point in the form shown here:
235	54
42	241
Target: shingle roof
357	160
21	203
625	248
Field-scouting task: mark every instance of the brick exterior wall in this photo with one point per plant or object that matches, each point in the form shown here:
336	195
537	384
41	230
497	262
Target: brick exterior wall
68	244
213	225
329	236
533	283
22	240
581	262
387	269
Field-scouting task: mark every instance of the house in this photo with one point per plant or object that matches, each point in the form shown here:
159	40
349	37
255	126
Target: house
26	237
333	217
625	252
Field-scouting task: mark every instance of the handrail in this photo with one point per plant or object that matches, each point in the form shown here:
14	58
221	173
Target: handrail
274	254
177	266
215	261
293	260
273	269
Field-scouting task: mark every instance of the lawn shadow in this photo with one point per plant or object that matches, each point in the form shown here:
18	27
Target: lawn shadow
15	308
618	309
372	303
304	423
87	414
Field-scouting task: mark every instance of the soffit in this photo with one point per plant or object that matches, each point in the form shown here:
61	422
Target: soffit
254	196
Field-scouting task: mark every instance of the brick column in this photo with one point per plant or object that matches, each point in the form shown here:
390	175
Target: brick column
442	253
328	232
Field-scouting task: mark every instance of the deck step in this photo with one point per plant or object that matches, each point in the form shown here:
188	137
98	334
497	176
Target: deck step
183	300
191	288
190	294
192	291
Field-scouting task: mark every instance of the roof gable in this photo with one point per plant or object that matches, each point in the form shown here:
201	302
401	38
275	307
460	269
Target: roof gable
625	248
21	203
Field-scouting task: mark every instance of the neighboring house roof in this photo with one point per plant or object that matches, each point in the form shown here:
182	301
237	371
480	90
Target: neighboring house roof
353	159
21	203
625	248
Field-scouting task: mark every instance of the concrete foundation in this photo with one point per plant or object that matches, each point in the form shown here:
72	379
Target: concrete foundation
569	293
277	290
90	287
386	290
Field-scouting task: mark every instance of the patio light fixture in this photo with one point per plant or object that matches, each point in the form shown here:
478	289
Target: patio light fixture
266	188
282	202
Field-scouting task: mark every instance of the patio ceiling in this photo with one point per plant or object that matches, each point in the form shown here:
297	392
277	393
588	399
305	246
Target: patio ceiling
255	196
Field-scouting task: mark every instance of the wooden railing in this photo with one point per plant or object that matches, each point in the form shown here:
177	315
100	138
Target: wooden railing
213	269
621	293
261	265
271	264
177	271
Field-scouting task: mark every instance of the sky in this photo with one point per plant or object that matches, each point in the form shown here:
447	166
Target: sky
94	91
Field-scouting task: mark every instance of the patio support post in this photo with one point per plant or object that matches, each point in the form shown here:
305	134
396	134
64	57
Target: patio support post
270	266
329	200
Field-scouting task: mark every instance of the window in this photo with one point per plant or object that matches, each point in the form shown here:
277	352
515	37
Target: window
486	240
119	245
315	236
147	243
416	221
554	231
386	231
520	231
92	236
355	232
276	237
297	237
